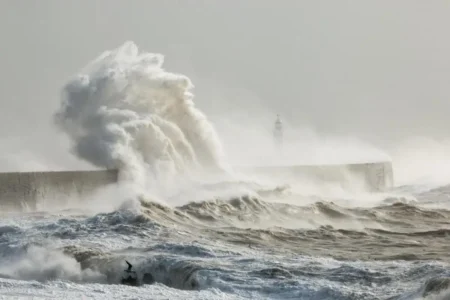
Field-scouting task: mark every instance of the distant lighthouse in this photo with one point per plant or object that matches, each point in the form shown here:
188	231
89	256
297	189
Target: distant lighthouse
278	131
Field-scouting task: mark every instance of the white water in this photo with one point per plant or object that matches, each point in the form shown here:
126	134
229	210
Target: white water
124	111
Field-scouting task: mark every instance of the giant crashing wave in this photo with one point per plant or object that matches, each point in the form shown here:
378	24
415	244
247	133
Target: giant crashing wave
124	111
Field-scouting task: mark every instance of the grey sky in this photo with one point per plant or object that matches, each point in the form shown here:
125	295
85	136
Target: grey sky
373	69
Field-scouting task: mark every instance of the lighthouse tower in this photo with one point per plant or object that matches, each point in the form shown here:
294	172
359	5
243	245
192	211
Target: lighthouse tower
278	131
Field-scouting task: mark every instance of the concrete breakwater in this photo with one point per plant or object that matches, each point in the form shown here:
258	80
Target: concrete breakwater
374	176
25	190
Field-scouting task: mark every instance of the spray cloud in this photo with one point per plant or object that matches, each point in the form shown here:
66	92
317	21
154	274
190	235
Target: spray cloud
124	111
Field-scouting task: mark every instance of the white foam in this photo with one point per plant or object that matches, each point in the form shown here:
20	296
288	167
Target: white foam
41	264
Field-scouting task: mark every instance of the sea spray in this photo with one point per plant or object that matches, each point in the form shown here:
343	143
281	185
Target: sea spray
123	111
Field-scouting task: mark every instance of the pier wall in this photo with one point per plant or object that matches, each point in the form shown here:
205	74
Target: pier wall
24	190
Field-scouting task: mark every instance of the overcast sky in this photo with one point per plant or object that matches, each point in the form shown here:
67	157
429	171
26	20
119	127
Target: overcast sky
378	70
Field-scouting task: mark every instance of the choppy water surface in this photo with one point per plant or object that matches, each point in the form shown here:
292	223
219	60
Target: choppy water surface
237	248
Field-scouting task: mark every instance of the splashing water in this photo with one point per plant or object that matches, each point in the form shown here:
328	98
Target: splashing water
124	111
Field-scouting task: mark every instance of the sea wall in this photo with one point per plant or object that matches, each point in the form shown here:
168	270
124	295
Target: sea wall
25	190
373	177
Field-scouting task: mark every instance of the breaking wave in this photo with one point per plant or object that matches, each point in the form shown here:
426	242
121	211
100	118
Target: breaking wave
243	225
123	111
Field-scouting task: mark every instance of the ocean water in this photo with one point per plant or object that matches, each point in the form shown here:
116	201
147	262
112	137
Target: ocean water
201	229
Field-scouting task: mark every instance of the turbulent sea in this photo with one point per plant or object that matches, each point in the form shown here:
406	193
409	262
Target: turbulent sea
228	237
241	248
